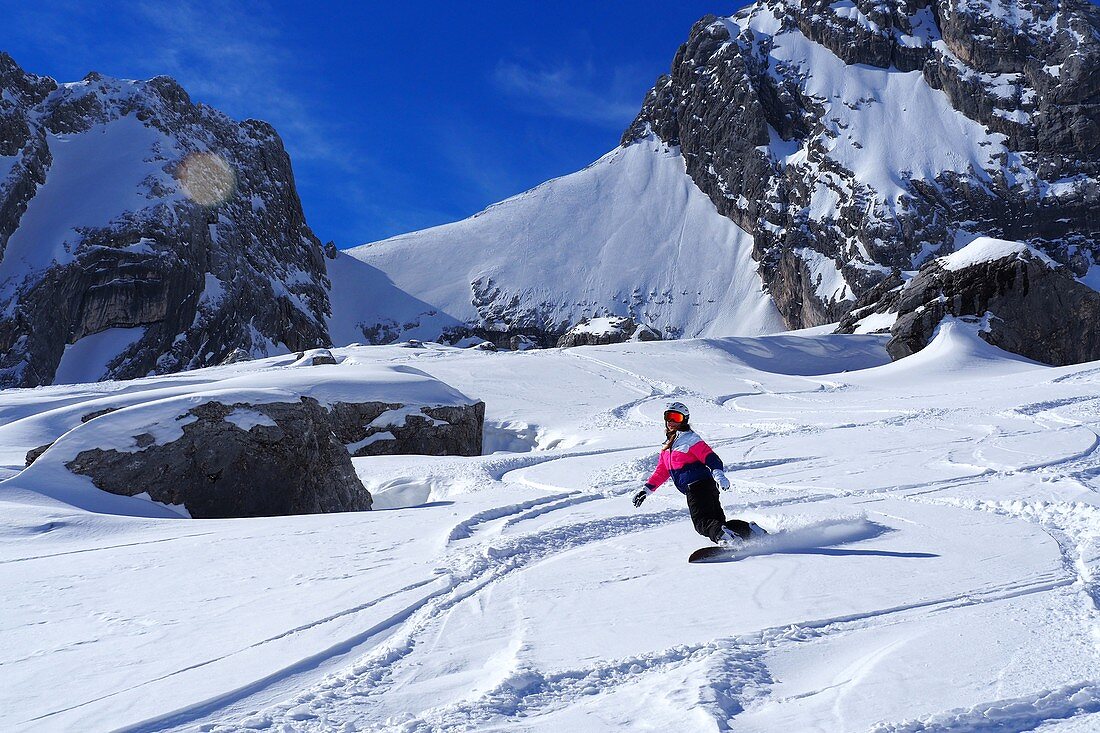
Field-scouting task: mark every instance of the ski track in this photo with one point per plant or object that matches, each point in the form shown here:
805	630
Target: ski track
1074	526
545	509
1014	714
477	567
471	571
465	530
735	673
106	547
256	645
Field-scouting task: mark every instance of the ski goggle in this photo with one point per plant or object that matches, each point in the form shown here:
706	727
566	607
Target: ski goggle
676	417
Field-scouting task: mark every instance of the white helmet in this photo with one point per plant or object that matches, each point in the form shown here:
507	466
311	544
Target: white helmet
677	408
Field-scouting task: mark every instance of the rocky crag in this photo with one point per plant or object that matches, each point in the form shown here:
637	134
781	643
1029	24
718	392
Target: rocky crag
1026	303
136	223
854	139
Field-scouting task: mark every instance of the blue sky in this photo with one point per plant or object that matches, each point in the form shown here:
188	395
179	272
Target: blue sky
397	116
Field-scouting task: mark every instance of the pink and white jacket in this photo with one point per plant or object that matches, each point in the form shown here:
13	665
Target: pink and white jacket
689	460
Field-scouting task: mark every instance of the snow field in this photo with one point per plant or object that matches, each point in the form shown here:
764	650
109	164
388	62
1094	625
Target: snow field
933	565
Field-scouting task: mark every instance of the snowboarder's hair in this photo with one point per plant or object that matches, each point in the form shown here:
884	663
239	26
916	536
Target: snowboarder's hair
670	433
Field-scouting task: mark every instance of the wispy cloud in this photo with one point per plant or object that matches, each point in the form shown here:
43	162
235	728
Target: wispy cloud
234	56
234	59
231	55
573	92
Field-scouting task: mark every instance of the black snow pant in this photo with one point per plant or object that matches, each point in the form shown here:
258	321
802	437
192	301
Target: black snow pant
706	512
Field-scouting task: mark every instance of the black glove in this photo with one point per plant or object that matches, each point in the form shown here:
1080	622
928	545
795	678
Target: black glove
640	497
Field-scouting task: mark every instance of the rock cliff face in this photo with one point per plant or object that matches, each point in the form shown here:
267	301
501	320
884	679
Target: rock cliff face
145	231
855	138
1026	303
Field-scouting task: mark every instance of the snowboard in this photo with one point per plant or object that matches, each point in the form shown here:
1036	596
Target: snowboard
748	532
714	553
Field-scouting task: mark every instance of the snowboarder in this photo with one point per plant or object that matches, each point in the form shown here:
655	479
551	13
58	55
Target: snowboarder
698	472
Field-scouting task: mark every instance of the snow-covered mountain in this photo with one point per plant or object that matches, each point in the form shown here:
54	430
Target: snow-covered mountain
630	235
856	138
142	233
848	140
801	160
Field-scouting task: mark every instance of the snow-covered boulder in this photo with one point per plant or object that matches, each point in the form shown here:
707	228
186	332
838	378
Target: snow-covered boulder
610	330
232	460
1028	304
255	439
314	357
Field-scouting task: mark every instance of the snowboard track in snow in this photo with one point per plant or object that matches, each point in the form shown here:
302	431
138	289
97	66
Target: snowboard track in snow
735	667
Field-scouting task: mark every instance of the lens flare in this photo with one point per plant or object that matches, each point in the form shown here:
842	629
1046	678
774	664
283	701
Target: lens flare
206	178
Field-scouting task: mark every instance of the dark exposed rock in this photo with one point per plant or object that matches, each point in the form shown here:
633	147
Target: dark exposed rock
522	343
232	265
882	298
34	453
235	356
873	33
97	413
288	463
1027	307
506	339
368	430
503	318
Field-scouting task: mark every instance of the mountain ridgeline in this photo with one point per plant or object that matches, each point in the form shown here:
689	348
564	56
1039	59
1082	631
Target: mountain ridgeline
798	166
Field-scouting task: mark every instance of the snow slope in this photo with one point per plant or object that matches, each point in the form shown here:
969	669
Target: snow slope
629	235
95	177
933	566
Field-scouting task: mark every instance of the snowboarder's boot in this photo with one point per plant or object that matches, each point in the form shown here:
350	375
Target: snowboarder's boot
741	529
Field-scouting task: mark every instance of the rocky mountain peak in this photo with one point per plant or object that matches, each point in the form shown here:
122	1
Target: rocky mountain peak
140	232
853	138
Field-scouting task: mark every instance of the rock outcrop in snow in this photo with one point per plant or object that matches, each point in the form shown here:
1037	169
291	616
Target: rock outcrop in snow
855	138
1026	303
234	460
602	331
259	438
141	233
